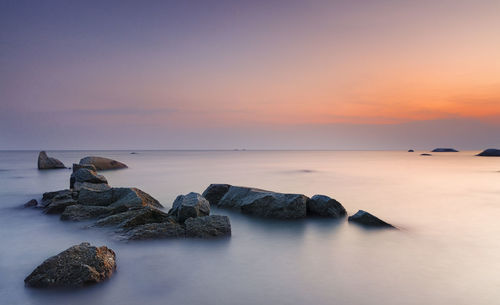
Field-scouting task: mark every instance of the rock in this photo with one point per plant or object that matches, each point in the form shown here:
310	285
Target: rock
215	192
77	266
445	150
118	218
56	202
145	216
265	203
101	163
45	162
367	219
84	175
490	152
411	150
117	196
325	206
425	154
190	205
208	226
77	166
31	203
169	229
80	212
78	186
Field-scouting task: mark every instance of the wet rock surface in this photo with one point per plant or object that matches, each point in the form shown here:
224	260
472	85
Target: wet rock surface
208	226
78	266
190	205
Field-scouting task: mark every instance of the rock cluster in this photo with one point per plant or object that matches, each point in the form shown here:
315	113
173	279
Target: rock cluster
133	213
46	162
77	266
270	204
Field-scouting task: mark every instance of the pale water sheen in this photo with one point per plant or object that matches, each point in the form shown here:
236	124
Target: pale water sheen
447	251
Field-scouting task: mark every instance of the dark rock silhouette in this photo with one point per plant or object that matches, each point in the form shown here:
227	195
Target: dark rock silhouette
368	220
445	150
490	152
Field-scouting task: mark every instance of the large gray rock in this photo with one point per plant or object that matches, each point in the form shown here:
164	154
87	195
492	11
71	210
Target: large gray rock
190	205
48	196
265	203
85	177
490	152
167	229
215	192
208	226
367	219
77	266
102	163
46	162
325	206
116	197
445	150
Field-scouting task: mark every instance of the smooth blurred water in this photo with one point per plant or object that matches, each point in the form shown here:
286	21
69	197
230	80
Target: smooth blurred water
447	252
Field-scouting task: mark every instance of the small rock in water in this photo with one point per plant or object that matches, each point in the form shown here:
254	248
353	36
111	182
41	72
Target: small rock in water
445	150
46	162
367	219
77	266
411	150
490	152
425	154
102	163
31	203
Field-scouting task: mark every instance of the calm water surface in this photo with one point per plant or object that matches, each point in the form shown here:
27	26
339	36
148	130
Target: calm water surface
448	251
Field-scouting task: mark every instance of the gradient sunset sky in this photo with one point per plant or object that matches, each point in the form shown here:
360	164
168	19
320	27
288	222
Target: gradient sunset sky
249	74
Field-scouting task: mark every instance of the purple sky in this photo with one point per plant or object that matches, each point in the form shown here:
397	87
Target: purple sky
249	74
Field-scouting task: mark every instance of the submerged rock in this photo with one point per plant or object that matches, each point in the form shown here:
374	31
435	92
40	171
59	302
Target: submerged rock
31	203
116	197
208	226
490	152
85	177
367	219
102	163
426	155
325	206
46	162
445	150
215	192
265	203
77	266
190	205
411	150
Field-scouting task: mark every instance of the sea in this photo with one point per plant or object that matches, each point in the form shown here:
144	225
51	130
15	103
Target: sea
446	250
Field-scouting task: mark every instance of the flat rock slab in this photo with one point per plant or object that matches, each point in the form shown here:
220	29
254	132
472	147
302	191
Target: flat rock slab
265	203
444	150
102	163
369	220
77	266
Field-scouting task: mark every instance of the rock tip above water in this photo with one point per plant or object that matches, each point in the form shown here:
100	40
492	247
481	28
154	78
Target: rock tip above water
490	152
46	162
366	219
444	150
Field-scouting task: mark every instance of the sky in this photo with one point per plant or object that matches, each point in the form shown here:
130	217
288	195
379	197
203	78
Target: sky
269	74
